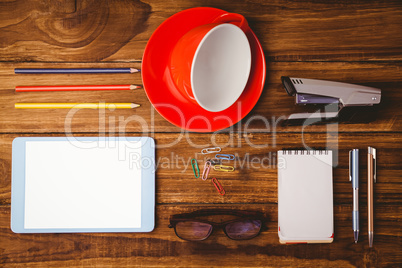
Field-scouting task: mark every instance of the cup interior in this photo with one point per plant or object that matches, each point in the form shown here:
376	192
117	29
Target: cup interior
221	67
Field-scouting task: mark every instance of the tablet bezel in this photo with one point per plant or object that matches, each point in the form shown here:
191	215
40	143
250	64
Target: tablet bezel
18	185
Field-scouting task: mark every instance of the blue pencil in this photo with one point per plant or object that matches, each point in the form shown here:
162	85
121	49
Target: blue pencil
76	71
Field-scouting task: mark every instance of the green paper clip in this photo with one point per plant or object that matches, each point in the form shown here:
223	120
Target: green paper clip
195	167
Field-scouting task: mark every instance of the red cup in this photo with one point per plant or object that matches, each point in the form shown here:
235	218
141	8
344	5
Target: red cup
188	71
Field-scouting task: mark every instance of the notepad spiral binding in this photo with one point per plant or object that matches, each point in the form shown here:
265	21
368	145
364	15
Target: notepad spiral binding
305	152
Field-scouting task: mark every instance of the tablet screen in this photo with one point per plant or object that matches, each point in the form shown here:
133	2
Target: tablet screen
77	185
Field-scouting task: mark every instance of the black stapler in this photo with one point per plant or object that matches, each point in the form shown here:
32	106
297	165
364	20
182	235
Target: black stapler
333	101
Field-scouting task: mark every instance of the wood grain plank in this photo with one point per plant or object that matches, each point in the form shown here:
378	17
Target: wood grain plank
118	30
69	30
162	248
255	177
267	116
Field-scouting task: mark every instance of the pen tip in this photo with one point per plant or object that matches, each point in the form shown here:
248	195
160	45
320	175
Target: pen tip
370	236
356	236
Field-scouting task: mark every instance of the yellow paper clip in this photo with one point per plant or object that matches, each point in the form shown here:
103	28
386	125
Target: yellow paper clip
224	168
207	168
211	150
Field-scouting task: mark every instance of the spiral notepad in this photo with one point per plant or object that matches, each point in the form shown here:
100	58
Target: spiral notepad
305	196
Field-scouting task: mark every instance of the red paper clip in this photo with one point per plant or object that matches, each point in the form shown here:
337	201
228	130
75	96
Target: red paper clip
218	186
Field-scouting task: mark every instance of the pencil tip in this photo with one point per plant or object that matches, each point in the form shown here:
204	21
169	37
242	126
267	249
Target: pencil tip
134	105
134	70
135	87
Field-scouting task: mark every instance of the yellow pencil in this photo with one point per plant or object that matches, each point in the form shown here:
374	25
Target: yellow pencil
76	105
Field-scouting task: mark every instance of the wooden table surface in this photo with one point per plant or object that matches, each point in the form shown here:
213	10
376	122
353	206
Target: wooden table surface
348	41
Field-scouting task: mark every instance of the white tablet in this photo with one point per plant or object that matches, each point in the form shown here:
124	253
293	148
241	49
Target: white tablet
83	184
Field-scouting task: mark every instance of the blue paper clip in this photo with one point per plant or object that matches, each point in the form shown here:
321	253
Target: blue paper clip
225	156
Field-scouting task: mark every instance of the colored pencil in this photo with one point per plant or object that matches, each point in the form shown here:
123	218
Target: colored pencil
75	88
75	70
76	105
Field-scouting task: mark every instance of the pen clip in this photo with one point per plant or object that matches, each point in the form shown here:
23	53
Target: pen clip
375	165
373	152
350	165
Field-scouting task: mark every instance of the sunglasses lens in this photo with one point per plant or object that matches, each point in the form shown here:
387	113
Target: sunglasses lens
244	229
193	230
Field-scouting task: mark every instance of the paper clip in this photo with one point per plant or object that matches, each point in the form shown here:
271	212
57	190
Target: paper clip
225	156
211	150
195	167
224	168
207	168
214	161
218	186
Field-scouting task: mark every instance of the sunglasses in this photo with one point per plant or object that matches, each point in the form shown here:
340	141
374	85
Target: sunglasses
247	225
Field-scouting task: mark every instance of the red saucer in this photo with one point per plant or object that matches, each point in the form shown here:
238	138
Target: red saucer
163	93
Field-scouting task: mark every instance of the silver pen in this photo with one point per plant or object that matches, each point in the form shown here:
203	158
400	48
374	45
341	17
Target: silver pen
354	178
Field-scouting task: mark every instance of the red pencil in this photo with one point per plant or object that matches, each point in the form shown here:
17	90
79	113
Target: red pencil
75	88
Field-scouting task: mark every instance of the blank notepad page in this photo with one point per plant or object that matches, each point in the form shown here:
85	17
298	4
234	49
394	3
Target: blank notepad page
76	185
305	198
